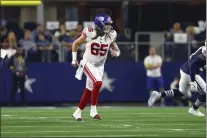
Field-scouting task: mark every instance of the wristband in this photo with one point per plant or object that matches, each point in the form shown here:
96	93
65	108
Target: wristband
74	55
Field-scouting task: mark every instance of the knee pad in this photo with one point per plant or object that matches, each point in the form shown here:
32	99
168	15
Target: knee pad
97	84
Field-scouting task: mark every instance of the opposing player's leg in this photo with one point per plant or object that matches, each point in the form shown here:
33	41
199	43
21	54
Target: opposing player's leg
84	100
201	88
184	90
194	109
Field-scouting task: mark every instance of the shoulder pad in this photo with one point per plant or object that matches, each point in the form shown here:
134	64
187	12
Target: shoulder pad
88	31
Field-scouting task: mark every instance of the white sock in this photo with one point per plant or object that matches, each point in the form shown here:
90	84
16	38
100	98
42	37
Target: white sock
78	111
93	110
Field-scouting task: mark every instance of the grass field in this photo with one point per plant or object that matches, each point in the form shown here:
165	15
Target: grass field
116	122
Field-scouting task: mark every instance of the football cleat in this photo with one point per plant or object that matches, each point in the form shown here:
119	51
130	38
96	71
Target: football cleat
97	117
153	98
195	112
77	117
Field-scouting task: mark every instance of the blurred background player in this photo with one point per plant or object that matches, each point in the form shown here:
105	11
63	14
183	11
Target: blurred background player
195	65
153	64
98	42
19	66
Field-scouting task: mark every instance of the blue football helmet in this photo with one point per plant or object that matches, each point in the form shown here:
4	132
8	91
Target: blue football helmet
103	22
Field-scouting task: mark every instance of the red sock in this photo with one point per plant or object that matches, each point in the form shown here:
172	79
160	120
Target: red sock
95	92
84	99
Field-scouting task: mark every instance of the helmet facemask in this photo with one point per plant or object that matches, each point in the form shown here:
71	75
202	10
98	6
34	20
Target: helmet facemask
107	28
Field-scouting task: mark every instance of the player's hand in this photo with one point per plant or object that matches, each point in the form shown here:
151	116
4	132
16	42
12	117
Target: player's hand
74	63
114	53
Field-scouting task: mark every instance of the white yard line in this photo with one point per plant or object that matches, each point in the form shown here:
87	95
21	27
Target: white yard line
5	117
104	125
84	114
85	131
85	121
64	119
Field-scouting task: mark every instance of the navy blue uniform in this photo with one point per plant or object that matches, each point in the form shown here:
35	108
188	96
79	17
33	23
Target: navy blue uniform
203	75
195	64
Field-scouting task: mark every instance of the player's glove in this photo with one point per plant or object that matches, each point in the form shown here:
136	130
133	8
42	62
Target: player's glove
114	53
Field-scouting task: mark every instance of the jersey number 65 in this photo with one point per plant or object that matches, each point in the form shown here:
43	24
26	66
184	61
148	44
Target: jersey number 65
99	49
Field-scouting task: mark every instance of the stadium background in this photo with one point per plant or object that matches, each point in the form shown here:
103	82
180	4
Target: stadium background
140	24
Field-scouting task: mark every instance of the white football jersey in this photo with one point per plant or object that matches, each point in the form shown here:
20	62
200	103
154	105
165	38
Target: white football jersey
97	49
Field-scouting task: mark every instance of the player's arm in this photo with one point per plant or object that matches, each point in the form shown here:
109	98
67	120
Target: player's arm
75	46
160	63
115	52
149	66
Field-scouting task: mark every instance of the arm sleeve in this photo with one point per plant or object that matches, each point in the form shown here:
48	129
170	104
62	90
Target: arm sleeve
114	36
88	32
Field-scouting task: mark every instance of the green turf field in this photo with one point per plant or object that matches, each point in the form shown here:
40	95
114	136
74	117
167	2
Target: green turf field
116	122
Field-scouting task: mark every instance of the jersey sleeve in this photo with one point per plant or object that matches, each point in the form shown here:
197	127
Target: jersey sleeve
114	35
204	51
88	32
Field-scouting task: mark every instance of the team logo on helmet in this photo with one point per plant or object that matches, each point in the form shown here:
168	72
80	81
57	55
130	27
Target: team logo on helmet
101	18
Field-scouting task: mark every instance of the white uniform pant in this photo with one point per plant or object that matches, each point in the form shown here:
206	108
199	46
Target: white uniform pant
184	84
93	73
201	85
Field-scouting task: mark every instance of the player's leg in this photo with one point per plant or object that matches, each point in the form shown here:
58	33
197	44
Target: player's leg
201	88
184	90
184	87
93	73
194	109
151	82
85	98
160	82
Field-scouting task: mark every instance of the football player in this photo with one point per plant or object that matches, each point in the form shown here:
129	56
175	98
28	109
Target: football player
195	65
99	41
199	86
